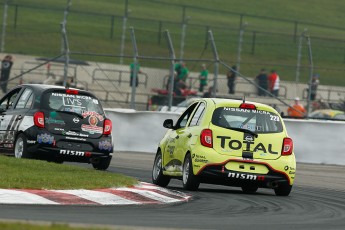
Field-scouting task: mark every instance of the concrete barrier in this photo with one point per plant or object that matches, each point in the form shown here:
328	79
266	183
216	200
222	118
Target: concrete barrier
321	142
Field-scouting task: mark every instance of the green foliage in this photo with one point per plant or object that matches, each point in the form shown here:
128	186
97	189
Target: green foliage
36	174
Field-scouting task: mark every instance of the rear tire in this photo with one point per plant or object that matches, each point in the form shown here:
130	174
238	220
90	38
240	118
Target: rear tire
157	173
103	163
283	189
20	147
249	189
189	180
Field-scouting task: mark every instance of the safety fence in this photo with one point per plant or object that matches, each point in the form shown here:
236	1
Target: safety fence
264	42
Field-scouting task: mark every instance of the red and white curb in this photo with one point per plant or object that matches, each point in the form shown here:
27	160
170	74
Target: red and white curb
143	193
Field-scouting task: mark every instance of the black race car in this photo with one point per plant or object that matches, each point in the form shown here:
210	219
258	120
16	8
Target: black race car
55	124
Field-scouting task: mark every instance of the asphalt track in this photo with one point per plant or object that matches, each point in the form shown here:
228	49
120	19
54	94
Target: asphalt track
317	201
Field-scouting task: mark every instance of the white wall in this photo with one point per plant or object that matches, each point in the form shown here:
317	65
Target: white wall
321	142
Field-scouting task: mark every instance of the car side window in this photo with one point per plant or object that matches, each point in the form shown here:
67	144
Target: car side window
8	101
198	115
182	121
25	100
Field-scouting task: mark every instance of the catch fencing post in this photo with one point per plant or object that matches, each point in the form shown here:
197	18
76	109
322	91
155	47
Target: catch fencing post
172	68
135	68
64	45
240	42
311	67
216	63
123	37
2	47
299	55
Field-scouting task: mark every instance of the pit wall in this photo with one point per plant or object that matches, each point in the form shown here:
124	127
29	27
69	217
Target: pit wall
320	142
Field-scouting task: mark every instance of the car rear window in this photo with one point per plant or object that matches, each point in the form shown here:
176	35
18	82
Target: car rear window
258	121
78	103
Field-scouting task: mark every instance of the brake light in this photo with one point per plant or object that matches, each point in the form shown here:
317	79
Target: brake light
72	91
247	106
107	127
206	138
39	119
287	146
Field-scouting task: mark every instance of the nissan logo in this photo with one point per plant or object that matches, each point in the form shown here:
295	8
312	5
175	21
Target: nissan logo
76	120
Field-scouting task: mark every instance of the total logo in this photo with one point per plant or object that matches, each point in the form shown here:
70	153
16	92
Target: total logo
226	141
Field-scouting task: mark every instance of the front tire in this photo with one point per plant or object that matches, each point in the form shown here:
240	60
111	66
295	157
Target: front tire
20	147
189	180
157	173
283	189
103	163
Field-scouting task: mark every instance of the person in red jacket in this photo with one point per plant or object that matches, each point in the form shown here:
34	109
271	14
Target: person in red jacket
273	80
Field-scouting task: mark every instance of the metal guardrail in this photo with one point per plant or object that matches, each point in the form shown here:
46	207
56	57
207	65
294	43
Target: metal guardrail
121	77
328	92
248	93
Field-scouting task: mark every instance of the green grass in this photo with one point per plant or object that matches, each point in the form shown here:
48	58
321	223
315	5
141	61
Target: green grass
36	174
27	226
37	32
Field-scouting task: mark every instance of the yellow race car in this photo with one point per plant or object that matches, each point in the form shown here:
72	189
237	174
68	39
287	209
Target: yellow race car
227	142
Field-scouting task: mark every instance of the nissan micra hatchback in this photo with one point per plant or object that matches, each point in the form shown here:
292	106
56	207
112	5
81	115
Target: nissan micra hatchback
56	124
227	142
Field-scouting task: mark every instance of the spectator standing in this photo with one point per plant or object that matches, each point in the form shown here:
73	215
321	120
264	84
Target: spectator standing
274	80
262	82
296	110
6	65
231	75
313	86
135	70
180	78
181	71
203	77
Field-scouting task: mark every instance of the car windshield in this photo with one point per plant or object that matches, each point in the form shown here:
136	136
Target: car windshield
74	103
258	121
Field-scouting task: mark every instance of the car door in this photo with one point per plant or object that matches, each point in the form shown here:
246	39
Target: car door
10	119
173	152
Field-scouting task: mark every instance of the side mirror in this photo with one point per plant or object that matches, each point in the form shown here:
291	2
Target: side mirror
168	123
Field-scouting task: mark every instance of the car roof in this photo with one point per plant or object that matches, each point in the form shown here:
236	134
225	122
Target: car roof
43	87
223	102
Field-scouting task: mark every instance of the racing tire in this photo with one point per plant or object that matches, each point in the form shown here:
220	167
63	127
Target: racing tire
249	189
157	173
283	189
20	147
103	163
190	181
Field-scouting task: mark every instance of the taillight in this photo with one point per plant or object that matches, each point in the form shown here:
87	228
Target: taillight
287	146
206	138
39	119
247	106
107	127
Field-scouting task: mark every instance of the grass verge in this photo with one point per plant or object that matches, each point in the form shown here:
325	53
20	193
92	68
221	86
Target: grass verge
27	226
36	174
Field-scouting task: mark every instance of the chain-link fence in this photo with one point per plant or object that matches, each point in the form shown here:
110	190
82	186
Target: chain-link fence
108	75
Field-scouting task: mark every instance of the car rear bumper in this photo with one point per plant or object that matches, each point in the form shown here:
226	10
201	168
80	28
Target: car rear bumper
58	154
218	174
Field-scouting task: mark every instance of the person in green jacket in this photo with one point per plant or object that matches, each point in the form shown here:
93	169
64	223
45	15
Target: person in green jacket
131	67
203	78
